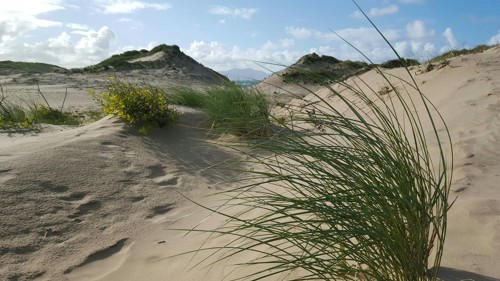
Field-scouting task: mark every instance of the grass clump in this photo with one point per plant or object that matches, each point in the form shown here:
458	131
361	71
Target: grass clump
237	110
351	190
147	107
13	116
188	97
46	115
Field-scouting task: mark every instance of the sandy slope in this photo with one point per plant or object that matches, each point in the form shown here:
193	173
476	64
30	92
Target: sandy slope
67	195
93	203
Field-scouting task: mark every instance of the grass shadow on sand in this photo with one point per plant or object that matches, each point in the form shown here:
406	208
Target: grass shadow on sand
451	274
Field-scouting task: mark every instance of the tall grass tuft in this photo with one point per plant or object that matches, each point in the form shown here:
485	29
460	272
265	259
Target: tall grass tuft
188	97
351	190
237	110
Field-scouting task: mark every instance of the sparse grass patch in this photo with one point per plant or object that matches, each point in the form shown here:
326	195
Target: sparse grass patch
17	116
454	53
39	114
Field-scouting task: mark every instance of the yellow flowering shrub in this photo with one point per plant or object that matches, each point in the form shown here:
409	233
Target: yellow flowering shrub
149	107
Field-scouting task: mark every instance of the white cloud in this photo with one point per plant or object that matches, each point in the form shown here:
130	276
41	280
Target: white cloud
59	42
418	31
222	57
287	43
377	12
78	49
452	41
29	7
131	23
96	41
244	13
411	1
77	26
495	39
353	35
300	32
20	16
128	6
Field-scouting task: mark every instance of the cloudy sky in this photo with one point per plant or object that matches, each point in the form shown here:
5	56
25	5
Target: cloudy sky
224	34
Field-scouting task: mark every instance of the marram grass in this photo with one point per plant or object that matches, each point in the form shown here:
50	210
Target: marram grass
355	189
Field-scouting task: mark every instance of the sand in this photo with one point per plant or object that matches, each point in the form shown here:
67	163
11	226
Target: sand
95	202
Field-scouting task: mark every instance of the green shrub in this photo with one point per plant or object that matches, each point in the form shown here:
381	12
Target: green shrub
147	107
237	110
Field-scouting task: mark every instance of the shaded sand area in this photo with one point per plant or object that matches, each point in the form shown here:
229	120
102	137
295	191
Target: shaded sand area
94	202
73	196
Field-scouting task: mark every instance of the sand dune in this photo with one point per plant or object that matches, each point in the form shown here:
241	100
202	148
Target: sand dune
93	203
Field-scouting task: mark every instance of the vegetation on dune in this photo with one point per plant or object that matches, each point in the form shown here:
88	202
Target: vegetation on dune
15	116
454	53
147	107
399	63
322	70
188	97
351	194
10	67
237	110
231	109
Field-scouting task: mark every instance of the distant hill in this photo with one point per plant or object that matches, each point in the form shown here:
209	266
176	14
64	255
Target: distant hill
162	65
244	74
310	73
14	67
167	59
315	69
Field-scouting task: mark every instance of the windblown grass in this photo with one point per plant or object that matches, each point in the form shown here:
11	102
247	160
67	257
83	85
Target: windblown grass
237	110
13	116
188	97
353	190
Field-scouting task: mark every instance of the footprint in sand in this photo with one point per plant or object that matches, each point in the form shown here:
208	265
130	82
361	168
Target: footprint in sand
50	186
159	210
111	150
5	176
74	196
136	199
167	180
101	262
86	208
156	171
157	175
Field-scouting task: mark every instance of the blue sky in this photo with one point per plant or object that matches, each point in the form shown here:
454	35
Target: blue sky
224	34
